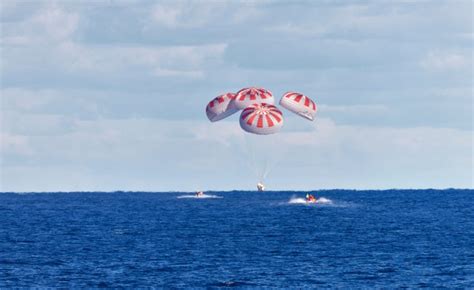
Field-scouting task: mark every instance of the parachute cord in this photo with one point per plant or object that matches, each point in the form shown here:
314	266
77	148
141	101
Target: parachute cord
261	154
272	161
251	151
265	167
261	176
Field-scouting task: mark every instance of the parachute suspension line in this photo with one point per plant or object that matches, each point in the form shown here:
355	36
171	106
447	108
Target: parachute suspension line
263	174
272	160
251	152
258	154
260	117
265	169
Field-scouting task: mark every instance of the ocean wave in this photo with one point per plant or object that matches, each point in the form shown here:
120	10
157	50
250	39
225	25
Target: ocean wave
204	196
301	200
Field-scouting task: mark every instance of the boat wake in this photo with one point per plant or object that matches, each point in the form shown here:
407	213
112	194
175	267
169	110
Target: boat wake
204	196
300	200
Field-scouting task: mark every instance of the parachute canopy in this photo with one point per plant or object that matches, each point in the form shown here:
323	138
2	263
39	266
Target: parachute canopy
248	96
221	107
262	119
260	115
299	104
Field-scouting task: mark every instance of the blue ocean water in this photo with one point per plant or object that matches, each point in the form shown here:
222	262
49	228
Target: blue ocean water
395	238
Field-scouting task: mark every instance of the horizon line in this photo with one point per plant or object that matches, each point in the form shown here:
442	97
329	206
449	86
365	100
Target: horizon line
239	190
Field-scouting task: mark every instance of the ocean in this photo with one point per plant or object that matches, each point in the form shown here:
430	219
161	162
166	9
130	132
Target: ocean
390	238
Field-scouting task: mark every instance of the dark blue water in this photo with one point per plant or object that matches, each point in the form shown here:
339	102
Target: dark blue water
363	239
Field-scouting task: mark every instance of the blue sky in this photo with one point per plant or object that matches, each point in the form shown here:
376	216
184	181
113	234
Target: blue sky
110	95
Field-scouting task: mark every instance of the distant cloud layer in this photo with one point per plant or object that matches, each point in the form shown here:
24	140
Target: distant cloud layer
111	95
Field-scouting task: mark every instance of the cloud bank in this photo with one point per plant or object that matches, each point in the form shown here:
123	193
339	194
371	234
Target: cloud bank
111	95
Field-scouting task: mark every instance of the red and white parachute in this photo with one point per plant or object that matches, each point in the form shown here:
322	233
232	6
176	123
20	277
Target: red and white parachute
221	107
299	104
262	119
260	115
249	96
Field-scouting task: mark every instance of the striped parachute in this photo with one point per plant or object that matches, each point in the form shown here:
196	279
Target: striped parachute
221	107
299	104
249	96
261	119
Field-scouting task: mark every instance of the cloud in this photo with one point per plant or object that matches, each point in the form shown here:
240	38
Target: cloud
181	14
70	56
109	59
361	156
184	14
111	95
361	109
292	29
192	14
15	145
445	61
177	73
46	24
35	124
43	49
153	154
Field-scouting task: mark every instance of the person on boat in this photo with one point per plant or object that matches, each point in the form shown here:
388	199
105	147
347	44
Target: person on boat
199	193
310	198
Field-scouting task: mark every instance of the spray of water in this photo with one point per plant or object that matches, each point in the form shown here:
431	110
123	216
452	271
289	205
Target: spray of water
204	196
301	200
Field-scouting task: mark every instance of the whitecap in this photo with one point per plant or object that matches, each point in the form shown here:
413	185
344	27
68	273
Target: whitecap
204	196
301	200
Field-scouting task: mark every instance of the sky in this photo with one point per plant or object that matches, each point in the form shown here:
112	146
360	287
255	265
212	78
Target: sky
111	95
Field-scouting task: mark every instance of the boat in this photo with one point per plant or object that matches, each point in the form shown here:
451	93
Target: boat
199	194
310	198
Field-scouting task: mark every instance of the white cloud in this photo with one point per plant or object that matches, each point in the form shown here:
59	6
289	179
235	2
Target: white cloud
46	40
56	22
36	124
196	74
15	99
14	145
166	15
69	57
49	24
18	103
292	29
183	14
15	40
153	154
221	133
89	93
436	60
360	109
381	157
157	59
192	14
247	12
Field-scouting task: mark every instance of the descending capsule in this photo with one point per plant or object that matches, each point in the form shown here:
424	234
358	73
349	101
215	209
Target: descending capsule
262	119
221	107
299	104
248	96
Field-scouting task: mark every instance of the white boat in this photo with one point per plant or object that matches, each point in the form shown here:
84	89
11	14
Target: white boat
199	194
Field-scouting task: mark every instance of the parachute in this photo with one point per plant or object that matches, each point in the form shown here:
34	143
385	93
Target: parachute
262	119
249	96
221	107
299	104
